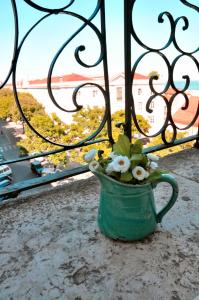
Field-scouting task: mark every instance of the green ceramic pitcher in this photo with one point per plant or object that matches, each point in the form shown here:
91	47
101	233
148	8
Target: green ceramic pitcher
127	212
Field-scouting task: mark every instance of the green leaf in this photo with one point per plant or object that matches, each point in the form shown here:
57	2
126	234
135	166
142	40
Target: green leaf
126	177
116	175
144	161
137	147
136	159
155	175
122	146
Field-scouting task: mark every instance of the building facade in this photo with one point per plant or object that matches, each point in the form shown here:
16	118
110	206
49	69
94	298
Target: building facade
63	88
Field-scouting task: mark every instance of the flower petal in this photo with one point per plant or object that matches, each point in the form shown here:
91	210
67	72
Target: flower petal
121	164
94	165
109	168
139	173
153	165
113	155
90	155
152	157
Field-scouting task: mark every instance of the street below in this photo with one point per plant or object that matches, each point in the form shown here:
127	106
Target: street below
9	132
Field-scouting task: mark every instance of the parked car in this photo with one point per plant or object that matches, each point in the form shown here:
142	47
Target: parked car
36	167
5	171
5	182
47	171
41	167
42	159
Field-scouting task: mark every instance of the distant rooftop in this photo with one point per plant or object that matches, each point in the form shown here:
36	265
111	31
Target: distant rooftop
58	79
186	116
78	77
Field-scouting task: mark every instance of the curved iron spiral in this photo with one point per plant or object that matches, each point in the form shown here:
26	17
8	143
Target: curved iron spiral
172	40
101	36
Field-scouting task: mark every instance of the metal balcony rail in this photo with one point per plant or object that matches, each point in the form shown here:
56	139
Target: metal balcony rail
130	67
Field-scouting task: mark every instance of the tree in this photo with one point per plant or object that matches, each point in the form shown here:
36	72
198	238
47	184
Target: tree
158	141
154	73
34	144
29	105
6	101
86	121
8	107
119	117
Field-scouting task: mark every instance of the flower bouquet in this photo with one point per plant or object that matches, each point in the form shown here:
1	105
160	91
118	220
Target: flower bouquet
128	176
126	163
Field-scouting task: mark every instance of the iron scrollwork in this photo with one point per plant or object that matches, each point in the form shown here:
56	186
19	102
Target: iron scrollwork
102	59
100	34
130	32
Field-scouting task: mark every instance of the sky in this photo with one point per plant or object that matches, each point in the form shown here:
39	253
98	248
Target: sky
45	40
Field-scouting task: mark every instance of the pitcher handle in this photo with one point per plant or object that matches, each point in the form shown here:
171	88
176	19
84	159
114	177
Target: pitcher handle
171	180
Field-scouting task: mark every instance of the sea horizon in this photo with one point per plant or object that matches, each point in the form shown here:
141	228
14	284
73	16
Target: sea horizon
194	85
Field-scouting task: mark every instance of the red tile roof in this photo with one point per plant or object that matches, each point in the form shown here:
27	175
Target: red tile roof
78	77
186	116
139	76
58	79
171	91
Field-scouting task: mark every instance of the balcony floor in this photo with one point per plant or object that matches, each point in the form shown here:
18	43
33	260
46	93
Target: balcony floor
51	247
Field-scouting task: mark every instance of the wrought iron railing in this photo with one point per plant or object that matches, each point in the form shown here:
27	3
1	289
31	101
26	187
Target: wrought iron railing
130	33
130	69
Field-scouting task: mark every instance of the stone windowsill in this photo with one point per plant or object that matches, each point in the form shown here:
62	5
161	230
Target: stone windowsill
51	247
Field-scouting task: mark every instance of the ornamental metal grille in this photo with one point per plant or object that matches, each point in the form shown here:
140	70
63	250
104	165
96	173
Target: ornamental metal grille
132	39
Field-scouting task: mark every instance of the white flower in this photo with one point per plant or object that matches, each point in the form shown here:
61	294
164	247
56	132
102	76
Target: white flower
153	165
94	165
109	168
90	155
121	164
113	155
152	157
146	174
139	173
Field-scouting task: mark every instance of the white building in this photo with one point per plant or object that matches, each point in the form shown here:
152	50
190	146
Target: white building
90	95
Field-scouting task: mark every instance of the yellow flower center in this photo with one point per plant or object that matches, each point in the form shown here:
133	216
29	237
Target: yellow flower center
139	172
121	162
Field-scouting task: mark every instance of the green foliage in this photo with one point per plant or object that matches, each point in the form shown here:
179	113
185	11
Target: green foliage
126	177
137	147
136	160
132	151
119	117
154	73
127	163
122	146
22	151
8	107
154	177
85	122
29	105
56	119
158	141
6	102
